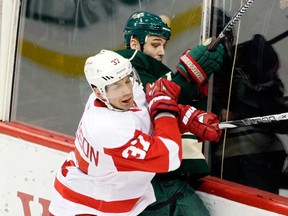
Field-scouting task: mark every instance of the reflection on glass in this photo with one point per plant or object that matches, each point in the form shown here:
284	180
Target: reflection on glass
55	39
252	82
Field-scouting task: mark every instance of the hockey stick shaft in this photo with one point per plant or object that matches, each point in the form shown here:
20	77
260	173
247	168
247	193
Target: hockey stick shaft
278	38
254	121
231	23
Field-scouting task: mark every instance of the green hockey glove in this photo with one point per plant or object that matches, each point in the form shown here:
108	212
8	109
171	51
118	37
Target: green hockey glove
198	63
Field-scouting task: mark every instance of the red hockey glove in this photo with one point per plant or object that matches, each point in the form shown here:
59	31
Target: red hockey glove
162	96
200	123
198	63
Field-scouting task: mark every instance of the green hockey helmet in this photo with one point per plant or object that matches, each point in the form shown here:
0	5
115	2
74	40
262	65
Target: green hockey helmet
141	24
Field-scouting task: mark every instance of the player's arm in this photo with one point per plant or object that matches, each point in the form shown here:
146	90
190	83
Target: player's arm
161	152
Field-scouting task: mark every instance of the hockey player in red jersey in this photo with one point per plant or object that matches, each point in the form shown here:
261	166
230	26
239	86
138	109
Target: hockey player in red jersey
117	150
121	141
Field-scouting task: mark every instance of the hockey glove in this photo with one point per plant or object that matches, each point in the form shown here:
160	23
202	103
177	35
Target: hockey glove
162	96
200	123
199	63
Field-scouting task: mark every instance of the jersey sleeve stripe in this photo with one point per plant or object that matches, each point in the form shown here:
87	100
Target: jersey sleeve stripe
174	153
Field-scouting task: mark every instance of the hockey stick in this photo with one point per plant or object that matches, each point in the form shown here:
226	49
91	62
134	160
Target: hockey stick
262	119
231	23
253	121
278	38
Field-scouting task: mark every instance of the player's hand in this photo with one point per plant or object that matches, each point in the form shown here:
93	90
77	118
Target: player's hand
199	63
162	96
200	123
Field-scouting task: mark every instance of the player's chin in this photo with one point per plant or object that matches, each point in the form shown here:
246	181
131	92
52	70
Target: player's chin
126	108
158	58
127	104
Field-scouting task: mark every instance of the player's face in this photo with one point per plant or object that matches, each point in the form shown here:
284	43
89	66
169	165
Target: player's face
120	94
155	47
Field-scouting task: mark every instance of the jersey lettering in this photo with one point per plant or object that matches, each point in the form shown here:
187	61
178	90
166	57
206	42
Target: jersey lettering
86	148
144	143
137	152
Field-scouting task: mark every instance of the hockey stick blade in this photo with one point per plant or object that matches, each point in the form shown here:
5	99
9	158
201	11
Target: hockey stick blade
231	23
253	121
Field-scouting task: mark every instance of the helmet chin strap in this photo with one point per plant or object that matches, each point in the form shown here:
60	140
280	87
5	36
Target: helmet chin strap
135	52
142	44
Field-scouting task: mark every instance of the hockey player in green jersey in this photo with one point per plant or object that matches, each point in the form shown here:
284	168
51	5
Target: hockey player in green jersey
149	34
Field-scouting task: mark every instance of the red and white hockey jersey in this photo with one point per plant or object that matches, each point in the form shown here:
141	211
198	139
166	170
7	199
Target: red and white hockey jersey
116	156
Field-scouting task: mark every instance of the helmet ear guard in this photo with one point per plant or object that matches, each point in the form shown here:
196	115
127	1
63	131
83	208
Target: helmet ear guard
142	24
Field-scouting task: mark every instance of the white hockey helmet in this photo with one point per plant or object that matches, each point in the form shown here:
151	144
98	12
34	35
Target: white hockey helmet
105	68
